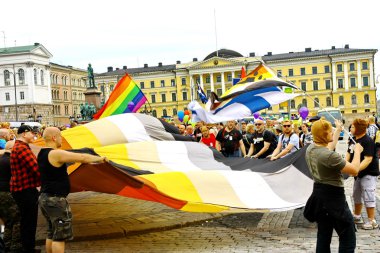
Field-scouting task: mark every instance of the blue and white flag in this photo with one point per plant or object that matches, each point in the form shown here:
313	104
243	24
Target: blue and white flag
201	94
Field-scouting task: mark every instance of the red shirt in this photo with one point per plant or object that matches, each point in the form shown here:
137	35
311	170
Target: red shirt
210	141
24	168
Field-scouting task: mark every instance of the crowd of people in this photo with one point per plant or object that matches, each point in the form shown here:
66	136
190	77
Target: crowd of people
30	180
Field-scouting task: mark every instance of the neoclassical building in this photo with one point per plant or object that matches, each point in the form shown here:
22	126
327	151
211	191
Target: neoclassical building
25	84
336	77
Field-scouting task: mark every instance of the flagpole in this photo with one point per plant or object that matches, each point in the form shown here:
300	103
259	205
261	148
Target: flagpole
216	35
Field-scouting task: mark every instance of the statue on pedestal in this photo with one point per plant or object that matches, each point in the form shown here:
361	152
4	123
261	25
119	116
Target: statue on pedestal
90	75
87	111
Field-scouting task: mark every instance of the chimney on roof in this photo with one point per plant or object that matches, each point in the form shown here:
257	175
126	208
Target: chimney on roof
252	54
333	47
178	62
160	64
347	46
145	65
109	69
36	44
269	54
308	49
195	59
124	67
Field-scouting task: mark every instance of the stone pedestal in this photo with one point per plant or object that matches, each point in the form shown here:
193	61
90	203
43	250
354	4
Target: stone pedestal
92	95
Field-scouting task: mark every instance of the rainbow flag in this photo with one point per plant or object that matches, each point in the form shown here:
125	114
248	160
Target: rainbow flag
126	91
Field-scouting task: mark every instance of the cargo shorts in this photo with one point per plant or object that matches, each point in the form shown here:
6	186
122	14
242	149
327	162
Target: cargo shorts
58	215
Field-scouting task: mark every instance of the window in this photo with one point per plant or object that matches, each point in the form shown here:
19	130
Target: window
7	79
218	78
303	72
303	86
172	82
153	98
229	77
207	79
163	97
162	83
353	82
364	65
154	113
65	95
367	110
184	95
111	87
208	93
352	66
304	102
339	68
270	108
365	80
328	101
354	111
22	95
366	98
35	76
328	84
164	113
292	104
42	77
183	81
174	97
290	72
66	110
279	73
340	83
341	100
315	85
197	80
327	69
353	99
151	84
21	76
174	111
7	96
142	85
316	102
315	70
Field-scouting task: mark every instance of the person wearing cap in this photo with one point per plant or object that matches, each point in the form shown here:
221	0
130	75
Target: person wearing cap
25	178
9	212
327	204
55	186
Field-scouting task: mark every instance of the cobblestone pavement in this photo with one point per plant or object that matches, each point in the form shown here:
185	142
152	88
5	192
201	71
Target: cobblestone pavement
109	223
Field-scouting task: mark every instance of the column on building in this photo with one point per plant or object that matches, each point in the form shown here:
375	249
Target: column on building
345	68
201	81
192	85
232	76
212	81
359	74
333	70
223	83
371	77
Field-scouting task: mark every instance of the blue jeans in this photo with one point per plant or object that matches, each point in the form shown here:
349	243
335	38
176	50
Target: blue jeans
345	231
234	154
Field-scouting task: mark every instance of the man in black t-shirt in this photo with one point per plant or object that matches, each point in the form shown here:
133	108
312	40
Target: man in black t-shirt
264	141
365	183
55	187
229	140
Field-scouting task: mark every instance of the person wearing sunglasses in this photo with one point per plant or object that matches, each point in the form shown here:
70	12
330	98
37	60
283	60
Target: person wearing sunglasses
288	142
264	141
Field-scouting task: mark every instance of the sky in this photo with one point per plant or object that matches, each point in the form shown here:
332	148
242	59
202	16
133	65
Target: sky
133	33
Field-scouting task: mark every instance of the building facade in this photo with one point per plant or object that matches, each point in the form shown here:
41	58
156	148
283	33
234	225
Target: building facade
336	77
25	84
68	85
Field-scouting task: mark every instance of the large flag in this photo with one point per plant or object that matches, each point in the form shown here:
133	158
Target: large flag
201	94
258	90
187	176
125	92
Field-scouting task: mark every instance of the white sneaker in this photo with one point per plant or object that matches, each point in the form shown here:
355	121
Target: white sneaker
370	225
358	219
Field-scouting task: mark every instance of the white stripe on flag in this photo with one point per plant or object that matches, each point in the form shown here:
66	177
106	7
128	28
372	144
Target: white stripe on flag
130	126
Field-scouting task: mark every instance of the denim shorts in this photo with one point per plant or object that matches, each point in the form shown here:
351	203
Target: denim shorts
58	214
365	190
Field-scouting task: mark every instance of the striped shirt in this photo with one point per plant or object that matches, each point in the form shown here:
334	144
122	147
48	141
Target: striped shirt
24	168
